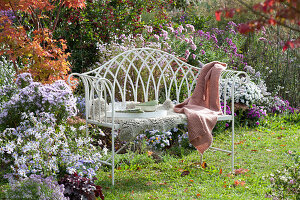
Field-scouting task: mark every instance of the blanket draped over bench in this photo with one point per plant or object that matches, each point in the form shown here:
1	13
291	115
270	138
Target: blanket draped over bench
203	107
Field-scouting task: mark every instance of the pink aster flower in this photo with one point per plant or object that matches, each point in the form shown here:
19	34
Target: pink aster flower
187	54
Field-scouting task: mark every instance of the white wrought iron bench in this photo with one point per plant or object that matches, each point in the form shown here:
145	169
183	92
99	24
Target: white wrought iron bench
142	75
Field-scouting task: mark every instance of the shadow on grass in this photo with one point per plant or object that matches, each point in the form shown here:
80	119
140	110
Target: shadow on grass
131	181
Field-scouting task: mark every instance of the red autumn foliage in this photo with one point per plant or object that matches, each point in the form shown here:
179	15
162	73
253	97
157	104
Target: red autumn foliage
269	13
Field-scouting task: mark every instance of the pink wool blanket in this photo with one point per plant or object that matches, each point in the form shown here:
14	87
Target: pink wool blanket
203	107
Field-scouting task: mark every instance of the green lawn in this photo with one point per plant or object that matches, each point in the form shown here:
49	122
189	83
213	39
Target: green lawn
261	151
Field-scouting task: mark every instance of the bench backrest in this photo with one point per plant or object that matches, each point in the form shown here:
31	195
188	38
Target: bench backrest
148	74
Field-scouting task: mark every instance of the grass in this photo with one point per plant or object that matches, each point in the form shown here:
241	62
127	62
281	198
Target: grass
259	152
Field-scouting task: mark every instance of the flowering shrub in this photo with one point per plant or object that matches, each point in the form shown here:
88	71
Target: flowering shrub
244	93
36	147
255	114
56	98
183	41
78	187
285	183
35	187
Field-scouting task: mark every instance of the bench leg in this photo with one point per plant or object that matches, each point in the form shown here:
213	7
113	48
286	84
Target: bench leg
113	156
232	148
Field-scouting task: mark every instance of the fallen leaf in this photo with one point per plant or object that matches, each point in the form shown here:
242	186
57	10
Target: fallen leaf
283	145
253	150
242	183
164	183
240	171
236	183
185	173
185	190
240	142
150	153
181	170
204	165
191	180
221	171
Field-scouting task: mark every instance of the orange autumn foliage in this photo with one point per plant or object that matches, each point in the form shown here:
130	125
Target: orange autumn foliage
34	48
43	5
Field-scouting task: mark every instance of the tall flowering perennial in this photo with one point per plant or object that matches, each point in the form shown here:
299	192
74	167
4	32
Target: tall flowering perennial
198	45
56	98
37	146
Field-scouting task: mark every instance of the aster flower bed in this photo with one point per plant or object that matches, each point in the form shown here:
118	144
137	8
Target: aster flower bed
36	187
34	97
36	140
38	147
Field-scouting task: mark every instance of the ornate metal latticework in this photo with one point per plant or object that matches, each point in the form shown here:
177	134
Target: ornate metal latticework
141	75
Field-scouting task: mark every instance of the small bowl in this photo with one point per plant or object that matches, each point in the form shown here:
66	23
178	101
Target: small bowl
147	108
